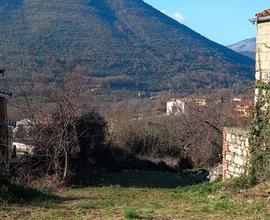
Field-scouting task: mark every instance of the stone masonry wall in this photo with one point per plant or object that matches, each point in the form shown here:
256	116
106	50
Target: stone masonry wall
235	152
262	54
235	140
263	50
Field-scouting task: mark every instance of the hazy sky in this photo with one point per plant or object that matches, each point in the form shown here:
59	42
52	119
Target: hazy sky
224	21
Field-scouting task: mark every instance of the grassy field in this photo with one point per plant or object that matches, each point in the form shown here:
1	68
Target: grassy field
138	195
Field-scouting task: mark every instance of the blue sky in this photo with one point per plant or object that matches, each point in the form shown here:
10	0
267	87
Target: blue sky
223	21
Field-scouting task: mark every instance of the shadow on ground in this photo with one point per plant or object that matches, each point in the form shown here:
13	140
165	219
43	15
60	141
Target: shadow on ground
33	197
18	194
150	179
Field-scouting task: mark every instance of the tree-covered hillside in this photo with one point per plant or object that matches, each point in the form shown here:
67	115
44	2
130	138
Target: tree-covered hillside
122	43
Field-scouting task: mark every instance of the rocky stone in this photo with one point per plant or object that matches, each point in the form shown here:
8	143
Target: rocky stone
211	197
230	148
215	173
239	152
247	142
227	176
240	161
239	171
228	138
231	169
228	157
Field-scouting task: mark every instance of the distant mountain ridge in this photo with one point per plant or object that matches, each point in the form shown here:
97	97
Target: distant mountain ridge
246	47
124	44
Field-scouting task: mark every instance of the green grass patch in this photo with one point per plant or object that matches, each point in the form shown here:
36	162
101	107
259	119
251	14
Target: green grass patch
238	184
198	194
127	198
84	205
109	204
222	204
131	213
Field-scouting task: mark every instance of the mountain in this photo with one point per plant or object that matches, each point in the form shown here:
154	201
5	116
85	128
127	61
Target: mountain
122	44
245	47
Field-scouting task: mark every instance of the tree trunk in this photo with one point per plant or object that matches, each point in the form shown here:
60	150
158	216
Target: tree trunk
66	166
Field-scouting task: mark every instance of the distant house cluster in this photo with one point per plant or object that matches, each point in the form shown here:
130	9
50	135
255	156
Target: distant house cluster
180	106
242	107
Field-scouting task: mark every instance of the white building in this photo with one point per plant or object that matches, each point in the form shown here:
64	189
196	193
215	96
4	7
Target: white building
24	123
175	107
20	150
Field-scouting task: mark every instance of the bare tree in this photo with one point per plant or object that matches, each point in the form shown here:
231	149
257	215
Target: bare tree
53	120
196	133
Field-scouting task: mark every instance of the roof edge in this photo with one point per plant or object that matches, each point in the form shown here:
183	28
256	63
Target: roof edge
260	19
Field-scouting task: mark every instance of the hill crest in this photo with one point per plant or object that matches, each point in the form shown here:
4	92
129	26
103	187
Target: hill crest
124	44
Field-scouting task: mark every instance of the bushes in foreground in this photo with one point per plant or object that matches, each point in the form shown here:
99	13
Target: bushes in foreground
65	152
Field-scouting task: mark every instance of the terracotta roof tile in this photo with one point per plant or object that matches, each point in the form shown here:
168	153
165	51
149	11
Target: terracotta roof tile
263	14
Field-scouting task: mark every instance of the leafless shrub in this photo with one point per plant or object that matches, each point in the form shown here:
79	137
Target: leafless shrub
54	120
196	134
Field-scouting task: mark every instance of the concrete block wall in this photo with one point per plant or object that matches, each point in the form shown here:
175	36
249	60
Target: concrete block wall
235	152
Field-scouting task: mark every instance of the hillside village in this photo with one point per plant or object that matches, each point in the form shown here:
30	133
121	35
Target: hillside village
241	106
70	152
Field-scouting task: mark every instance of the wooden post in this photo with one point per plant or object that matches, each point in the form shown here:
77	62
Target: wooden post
3	133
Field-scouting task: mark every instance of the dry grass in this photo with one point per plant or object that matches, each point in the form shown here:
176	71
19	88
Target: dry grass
124	200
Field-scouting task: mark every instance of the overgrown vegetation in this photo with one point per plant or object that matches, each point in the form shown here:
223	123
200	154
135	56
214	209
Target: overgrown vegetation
67	136
72	142
195	135
260	135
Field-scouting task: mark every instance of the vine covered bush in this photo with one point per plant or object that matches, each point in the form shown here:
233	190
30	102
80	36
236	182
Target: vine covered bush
260	135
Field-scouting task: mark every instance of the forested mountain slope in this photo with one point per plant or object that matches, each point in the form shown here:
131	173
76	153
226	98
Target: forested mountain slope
122	43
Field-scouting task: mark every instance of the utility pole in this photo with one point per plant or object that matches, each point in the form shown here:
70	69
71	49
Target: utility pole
4	148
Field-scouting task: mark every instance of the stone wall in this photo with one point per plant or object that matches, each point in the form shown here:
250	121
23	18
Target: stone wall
235	152
235	140
263	50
